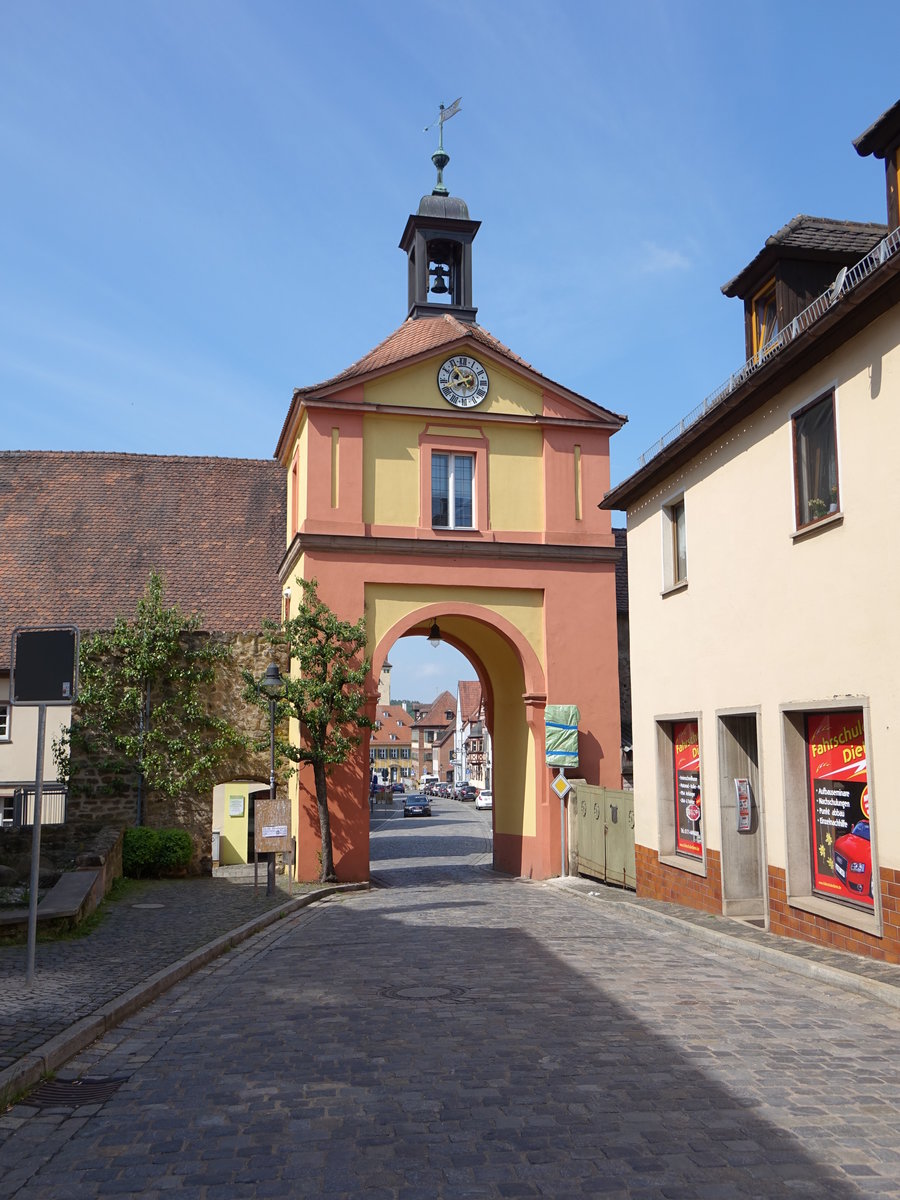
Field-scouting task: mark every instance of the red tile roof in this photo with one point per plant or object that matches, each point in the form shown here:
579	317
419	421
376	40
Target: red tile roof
416	338
437	713
469	698
81	532
396	726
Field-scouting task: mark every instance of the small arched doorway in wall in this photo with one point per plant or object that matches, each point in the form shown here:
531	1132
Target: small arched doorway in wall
513	688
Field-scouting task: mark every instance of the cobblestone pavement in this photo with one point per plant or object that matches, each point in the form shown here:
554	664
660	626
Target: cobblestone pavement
156	923
458	1034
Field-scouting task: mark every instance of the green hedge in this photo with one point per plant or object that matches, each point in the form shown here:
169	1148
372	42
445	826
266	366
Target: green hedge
154	852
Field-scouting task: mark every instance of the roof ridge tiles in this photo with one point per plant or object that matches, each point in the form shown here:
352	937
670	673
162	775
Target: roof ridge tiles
134	455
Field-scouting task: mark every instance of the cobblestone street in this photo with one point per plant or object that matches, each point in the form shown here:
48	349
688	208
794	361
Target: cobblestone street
453	1033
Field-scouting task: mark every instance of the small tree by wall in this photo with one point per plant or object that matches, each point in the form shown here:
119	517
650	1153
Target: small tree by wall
324	693
142	711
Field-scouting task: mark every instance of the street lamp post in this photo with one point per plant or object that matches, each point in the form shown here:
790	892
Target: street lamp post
272	684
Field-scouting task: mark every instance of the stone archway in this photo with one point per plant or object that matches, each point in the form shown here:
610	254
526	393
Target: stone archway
526	840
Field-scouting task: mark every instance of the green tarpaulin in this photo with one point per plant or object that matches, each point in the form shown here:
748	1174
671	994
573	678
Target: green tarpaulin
561	721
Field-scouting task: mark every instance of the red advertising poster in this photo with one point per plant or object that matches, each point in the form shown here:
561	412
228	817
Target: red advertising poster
839	806
688	829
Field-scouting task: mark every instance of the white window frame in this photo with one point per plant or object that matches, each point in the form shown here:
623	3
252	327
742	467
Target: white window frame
453	457
674	580
5	720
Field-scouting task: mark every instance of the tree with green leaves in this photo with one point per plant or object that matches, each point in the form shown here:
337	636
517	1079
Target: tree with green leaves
141	709
324	693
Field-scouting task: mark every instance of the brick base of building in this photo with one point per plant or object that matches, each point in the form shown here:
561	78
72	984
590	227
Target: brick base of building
658	881
809	927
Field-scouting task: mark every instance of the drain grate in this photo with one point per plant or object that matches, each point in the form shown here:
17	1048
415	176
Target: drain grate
73	1092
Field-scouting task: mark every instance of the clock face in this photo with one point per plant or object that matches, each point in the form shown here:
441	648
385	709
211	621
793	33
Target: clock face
463	381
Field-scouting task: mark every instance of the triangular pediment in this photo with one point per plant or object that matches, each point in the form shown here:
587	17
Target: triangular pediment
417	339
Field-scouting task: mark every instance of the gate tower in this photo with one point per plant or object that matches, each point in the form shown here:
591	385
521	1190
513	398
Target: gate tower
443	480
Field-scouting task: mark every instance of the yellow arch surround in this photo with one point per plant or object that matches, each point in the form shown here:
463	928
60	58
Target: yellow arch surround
509	671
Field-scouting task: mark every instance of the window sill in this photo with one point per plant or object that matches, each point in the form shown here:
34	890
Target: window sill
865	922
456	530
826	522
674	589
683	864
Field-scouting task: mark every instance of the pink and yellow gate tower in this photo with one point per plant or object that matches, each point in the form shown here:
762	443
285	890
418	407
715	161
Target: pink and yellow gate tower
441	479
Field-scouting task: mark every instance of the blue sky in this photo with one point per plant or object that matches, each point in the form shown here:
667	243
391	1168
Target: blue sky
202	201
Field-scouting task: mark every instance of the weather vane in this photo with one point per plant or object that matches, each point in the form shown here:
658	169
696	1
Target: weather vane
440	158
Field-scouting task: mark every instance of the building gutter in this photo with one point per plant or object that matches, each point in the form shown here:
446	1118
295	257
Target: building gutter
850	314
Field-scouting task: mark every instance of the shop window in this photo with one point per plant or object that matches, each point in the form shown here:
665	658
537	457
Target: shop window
674	545
831	827
764	319
686	788
679	793
839	814
815	462
4	722
452	494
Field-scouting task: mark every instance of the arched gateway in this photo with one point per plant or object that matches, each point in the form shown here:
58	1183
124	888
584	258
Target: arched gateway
441	478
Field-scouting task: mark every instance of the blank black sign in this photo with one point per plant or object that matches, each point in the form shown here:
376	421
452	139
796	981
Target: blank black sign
44	666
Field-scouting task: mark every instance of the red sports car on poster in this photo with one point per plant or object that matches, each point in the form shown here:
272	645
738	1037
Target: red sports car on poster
853	860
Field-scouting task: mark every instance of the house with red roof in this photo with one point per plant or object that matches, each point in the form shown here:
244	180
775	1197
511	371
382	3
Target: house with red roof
80	534
430	725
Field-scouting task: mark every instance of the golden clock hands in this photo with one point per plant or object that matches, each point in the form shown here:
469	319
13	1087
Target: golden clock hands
465	378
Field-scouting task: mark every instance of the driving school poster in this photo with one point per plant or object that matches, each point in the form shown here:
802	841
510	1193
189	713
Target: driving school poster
839	805
688	832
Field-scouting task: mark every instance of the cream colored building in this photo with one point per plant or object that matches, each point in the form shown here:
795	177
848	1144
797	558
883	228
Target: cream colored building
763	572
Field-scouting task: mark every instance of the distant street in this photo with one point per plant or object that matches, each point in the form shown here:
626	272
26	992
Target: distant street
457	1034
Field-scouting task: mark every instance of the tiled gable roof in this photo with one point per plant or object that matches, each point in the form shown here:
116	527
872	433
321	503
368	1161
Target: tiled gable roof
436	714
810	237
81	532
469	698
416	338
393	720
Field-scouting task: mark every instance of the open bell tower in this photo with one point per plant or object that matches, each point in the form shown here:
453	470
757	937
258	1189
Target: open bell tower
438	243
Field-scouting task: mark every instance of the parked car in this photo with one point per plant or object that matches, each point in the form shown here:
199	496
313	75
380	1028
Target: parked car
466	792
484	800
416	805
397	787
853	859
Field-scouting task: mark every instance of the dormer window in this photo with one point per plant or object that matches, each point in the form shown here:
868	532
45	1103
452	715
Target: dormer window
765	318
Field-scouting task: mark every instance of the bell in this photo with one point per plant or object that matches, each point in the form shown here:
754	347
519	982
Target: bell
440	283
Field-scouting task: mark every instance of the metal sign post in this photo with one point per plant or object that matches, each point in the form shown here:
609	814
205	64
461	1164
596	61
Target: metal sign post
44	672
